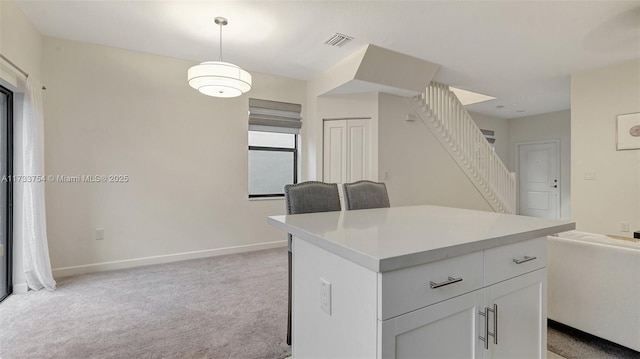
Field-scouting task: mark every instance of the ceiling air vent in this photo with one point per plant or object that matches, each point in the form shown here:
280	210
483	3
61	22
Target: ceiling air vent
338	40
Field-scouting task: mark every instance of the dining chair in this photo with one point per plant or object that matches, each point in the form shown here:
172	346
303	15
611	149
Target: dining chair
308	197
365	194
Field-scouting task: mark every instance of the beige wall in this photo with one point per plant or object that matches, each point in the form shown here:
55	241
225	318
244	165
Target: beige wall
20	41
116	112
415	166
548	126
597	97
22	44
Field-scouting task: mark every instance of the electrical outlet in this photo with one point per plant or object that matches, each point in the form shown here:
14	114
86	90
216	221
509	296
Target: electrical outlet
624	227
99	233
325	296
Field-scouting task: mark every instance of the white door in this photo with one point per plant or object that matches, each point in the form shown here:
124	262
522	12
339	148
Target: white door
538	179
347	150
335	149
520	322
448	329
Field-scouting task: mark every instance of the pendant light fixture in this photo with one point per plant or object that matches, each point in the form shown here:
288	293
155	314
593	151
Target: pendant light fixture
217	78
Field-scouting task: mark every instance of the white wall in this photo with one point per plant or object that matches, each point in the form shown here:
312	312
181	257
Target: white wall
22	44
549	126
110	111
597	97
501	128
418	169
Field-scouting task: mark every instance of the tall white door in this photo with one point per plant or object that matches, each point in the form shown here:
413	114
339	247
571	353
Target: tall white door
347	150
538	181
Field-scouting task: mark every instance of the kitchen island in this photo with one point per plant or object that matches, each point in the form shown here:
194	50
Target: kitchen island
418	282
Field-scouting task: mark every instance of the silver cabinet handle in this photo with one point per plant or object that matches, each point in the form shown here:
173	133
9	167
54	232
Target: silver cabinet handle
487	333
486	328
495	323
524	259
451	280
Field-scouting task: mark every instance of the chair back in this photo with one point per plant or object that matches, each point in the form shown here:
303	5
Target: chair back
312	196
365	194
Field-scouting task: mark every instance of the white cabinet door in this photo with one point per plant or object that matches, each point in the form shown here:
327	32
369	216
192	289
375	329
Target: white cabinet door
347	150
448	329
521	326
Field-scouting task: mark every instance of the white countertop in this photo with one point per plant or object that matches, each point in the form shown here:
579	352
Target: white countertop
386	239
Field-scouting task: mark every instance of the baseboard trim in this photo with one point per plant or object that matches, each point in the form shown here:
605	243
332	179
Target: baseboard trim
20	288
168	258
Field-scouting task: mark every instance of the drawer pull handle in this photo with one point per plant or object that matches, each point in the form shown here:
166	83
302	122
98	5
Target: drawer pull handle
451	280
524	260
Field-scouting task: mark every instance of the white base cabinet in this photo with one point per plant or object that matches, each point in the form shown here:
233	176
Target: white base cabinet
486	304
447	329
454	328
521	325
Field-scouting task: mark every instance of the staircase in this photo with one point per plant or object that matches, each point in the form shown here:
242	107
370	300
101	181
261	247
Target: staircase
440	110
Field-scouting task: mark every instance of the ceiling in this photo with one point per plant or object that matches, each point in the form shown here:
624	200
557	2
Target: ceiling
522	52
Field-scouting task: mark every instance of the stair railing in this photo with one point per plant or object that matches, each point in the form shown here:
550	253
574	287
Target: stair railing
467	144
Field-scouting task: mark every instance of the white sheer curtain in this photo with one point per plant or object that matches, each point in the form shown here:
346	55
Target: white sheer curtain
32	223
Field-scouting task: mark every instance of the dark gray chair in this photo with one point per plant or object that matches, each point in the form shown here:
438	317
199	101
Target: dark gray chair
308	197
365	194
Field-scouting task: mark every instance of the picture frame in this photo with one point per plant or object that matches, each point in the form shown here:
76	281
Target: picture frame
628	131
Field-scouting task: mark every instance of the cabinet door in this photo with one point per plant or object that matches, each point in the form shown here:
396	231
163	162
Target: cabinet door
520	324
448	329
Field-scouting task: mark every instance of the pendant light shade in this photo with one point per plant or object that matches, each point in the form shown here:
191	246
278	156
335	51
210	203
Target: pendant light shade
218	78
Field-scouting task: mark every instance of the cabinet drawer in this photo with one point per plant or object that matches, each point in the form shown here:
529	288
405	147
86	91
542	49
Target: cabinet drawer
410	288
504	262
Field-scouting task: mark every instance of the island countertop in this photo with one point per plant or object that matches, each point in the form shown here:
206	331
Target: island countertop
386	239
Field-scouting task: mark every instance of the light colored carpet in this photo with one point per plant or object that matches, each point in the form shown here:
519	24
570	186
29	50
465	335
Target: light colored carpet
231	306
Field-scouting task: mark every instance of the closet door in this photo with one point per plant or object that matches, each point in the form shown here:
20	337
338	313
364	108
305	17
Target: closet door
335	151
347	150
358	150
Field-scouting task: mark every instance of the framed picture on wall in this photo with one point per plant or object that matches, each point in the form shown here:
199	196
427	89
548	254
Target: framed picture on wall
628	131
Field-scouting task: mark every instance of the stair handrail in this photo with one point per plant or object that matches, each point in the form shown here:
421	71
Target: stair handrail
468	142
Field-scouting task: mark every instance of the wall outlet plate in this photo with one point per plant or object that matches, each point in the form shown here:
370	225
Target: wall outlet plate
99	233
624	226
325	295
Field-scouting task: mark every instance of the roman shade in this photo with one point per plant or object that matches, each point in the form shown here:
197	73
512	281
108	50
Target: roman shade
273	116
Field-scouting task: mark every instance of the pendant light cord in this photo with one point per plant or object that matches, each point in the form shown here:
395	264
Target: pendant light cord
220	42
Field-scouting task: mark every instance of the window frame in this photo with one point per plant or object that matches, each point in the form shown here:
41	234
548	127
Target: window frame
293	150
9	199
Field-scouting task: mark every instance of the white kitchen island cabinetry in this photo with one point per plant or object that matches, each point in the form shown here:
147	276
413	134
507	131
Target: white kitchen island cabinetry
412	282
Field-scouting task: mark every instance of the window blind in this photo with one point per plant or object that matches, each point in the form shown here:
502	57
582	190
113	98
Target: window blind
273	116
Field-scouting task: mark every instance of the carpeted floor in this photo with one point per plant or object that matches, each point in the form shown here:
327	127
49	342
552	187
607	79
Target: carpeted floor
574	344
231	306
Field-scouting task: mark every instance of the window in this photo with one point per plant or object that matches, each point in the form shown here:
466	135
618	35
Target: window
273	159
273	147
